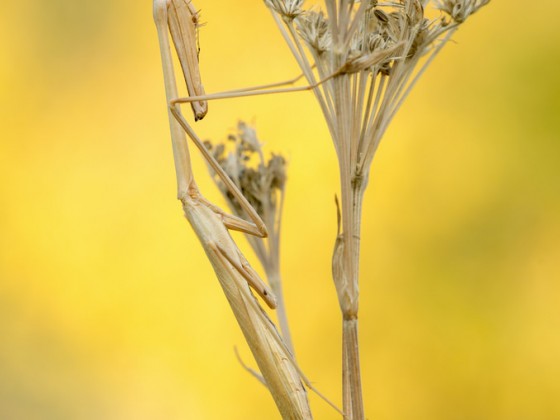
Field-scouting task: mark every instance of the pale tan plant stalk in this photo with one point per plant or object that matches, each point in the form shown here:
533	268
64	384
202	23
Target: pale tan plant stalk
369	54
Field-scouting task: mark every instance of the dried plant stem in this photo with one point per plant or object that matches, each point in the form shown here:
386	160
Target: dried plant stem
352	383
347	279
274	278
271	262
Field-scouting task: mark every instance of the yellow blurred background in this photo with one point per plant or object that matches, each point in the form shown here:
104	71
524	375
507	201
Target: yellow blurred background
108	307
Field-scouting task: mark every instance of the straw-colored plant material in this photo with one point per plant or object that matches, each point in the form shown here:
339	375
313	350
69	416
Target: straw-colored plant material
361	59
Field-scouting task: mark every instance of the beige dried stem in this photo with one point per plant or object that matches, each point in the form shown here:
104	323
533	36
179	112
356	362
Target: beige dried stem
376	51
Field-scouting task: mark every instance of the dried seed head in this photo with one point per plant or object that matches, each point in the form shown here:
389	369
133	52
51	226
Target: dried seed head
313	29
288	9
260	183
247	138
418	43
460	10
397	27
378	58
376	42
415	12
381	27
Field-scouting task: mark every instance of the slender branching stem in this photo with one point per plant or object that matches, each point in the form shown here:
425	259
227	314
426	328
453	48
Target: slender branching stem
352	194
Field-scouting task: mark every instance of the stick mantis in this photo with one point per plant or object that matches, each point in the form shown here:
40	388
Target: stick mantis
280	372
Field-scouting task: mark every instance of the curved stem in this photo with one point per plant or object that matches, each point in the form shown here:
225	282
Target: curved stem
346	261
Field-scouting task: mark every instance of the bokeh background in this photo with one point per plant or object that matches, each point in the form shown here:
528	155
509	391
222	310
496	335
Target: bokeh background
108	307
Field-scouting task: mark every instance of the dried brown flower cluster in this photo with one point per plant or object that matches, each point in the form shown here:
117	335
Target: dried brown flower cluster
262	184
460	10
378	45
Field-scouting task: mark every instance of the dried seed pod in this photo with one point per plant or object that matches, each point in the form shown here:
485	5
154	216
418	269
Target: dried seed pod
381	16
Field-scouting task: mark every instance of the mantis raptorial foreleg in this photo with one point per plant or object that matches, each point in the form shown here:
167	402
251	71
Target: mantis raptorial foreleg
271	88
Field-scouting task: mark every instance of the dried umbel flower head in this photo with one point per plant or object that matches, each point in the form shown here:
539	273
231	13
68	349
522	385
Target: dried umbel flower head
369	55
261	182
314	30
288	9
460	10
379	30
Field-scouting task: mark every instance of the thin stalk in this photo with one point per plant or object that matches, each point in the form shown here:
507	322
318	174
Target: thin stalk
275	281
353	404
352	194
274	278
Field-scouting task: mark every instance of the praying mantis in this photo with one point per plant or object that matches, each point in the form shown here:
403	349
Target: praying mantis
208	220
177	22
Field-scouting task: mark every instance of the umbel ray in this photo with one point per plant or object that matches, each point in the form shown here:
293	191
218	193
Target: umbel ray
279	370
